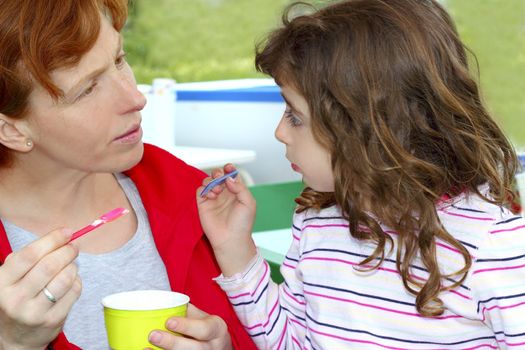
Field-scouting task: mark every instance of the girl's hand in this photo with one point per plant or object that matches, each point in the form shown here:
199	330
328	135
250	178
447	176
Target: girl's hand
199	329
227	214
28	319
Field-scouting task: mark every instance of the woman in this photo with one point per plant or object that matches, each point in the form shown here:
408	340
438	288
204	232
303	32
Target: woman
71	150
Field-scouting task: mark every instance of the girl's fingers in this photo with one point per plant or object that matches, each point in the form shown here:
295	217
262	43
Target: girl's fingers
214	174
228	168
211	195
215	191
237	187
19	263
217	173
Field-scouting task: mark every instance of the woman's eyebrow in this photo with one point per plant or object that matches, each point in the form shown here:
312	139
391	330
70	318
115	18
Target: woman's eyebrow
94	73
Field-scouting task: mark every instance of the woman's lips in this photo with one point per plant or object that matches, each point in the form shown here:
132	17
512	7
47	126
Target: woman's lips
132	136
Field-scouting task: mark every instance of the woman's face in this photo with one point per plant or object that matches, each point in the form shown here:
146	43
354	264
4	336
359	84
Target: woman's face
308	157
95	127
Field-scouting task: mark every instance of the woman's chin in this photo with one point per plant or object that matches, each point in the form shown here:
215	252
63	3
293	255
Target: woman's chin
132	158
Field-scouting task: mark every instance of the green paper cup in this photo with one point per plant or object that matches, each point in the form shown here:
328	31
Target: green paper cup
131	316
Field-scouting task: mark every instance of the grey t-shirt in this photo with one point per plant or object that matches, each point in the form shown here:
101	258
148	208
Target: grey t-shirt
134	266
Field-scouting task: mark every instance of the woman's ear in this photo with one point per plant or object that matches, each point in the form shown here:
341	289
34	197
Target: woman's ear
12	137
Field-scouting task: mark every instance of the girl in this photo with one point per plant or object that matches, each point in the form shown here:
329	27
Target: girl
402	239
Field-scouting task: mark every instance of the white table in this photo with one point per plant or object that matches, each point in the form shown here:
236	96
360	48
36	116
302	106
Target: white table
273	244
210	158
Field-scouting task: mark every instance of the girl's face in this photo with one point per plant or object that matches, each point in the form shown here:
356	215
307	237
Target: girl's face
95	127
308	157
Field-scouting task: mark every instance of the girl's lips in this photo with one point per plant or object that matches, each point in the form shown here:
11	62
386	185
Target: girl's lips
296	168
132	136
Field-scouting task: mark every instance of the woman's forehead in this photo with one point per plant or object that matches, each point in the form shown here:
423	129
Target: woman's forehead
99	57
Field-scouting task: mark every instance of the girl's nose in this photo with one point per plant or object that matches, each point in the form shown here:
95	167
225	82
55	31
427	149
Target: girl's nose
280	131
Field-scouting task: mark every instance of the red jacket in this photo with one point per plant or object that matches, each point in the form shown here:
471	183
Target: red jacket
167	187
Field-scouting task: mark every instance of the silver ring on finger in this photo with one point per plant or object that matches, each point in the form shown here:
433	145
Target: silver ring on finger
49	295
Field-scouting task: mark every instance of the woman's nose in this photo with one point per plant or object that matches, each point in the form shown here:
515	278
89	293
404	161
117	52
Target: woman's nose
140	99
134	98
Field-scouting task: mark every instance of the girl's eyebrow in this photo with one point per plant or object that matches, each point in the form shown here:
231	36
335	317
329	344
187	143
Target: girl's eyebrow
292	106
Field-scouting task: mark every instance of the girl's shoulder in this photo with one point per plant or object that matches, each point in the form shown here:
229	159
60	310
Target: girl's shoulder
311	217
483	227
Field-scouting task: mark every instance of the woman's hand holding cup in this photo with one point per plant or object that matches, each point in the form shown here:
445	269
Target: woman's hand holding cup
159	319
199	329
38	286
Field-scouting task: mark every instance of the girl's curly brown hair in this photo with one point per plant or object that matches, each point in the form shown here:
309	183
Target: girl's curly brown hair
392	99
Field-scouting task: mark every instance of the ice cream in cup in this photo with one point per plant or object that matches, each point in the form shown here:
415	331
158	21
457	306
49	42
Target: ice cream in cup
131	316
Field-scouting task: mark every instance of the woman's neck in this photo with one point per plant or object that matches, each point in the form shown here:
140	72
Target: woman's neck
40	202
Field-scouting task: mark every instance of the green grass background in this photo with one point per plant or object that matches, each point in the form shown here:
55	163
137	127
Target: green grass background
495	31
199	40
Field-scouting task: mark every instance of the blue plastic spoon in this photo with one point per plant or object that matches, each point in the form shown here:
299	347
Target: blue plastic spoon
218	181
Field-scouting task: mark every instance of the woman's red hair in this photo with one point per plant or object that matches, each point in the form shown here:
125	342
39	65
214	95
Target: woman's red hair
40	36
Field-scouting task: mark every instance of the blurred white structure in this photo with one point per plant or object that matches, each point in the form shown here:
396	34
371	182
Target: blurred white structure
238	114
237	117
158	117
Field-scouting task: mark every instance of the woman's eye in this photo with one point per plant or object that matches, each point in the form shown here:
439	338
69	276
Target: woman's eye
88	91
120	61
292	119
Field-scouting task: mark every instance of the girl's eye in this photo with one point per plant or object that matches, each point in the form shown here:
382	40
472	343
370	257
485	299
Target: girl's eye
88	91
292	119
120	61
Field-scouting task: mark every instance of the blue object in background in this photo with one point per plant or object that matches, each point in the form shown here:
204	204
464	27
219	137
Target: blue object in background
521	157
248	94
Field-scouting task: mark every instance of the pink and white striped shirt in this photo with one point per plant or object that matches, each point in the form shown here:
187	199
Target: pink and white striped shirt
325	303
